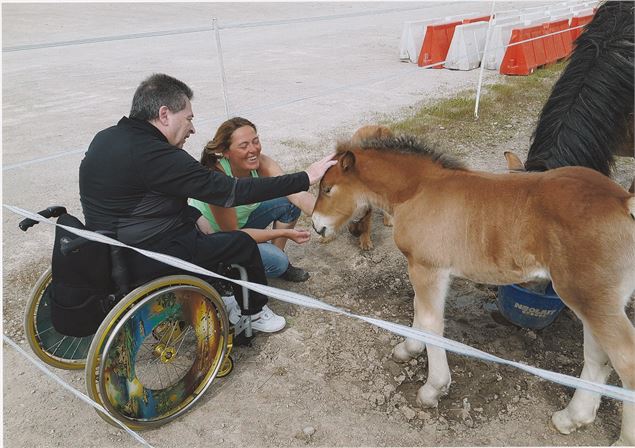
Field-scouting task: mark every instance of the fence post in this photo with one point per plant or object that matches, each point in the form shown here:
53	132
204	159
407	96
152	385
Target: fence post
480	74
221	65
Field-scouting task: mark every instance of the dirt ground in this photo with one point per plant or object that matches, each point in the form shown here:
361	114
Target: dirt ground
326	380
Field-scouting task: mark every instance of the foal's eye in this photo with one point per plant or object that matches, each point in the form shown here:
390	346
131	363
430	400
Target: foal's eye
326	189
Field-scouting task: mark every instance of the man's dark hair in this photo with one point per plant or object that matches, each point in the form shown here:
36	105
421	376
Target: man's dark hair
156	91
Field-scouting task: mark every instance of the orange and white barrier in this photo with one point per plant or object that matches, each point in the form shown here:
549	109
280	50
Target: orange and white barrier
519	40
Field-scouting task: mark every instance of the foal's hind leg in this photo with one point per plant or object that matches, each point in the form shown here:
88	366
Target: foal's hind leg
608	334
430	287
583	407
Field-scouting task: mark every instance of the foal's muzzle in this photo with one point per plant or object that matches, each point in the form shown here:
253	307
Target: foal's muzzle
320	232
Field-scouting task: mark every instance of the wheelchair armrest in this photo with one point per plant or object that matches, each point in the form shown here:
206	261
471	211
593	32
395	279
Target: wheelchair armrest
53	211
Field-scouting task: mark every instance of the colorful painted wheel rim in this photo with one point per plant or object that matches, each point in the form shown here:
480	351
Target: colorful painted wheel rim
55	349
157	351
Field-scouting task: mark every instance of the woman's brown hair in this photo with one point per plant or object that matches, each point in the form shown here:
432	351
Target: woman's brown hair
213	151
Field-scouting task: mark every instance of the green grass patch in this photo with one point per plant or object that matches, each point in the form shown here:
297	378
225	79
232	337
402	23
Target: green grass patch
452	121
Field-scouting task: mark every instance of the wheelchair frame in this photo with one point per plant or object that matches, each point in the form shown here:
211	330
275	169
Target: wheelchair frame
155	353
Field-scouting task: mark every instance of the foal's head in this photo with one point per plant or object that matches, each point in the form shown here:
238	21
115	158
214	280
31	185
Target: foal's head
343	196
339	198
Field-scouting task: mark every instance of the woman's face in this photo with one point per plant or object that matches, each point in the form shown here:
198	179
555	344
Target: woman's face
244	151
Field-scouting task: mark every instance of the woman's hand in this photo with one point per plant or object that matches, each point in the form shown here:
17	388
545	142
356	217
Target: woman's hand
299	236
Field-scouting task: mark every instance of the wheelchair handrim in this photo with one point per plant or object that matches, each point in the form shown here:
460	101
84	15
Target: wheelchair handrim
113	327
64	344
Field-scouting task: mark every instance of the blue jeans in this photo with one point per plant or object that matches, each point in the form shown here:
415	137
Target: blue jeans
275	260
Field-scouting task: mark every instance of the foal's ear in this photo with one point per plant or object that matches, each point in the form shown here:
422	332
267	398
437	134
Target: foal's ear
513	162
347	161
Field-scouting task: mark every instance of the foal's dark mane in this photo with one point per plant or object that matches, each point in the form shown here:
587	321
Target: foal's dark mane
406	144
587	115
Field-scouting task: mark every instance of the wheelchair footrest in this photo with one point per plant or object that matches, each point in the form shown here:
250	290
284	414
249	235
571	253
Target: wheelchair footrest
242	340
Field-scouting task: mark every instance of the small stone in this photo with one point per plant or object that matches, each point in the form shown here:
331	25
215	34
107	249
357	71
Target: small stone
408	412
308	431
442	424
377	399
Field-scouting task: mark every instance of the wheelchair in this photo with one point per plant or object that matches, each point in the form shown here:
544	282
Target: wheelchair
156	351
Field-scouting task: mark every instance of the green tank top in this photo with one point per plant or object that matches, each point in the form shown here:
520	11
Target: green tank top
242	211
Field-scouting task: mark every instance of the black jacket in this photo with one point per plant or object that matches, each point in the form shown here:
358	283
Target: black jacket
133	182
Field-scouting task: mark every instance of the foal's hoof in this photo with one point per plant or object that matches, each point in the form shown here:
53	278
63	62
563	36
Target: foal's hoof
408	349
428	396
365	244
400	353
565	424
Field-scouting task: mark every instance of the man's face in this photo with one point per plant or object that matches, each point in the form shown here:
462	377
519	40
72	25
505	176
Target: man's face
179	125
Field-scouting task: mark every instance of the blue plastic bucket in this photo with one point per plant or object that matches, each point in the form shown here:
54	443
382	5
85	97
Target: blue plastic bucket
527	308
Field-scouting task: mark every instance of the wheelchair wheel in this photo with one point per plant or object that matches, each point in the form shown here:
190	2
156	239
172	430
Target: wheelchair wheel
226	367
55	349
157	351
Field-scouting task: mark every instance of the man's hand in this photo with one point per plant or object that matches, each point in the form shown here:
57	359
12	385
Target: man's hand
317	169
299	236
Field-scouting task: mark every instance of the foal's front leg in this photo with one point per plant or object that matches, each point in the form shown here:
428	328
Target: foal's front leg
430	287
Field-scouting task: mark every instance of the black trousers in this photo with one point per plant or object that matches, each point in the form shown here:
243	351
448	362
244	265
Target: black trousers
212	252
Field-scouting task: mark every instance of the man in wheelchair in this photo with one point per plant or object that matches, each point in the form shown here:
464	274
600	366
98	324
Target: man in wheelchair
135	180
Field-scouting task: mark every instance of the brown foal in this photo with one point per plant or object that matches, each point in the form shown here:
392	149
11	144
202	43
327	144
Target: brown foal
571	225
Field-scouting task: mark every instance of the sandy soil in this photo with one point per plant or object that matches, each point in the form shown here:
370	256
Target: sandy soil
326	380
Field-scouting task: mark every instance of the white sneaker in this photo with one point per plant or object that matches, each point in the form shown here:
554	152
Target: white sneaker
233	310
267	321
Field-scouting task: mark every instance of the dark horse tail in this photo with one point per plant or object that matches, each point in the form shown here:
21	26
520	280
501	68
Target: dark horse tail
589	115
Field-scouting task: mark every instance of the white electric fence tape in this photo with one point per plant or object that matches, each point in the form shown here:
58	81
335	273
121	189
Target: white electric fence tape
74	391
615	392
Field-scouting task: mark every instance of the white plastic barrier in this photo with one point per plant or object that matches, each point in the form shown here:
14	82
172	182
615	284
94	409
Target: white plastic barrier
583	12
412	39
414	32
558	17
466	48
536	16
498	41
558	11
506	19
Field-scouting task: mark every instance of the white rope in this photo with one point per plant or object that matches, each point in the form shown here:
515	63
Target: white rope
205	29
615	392
72	390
